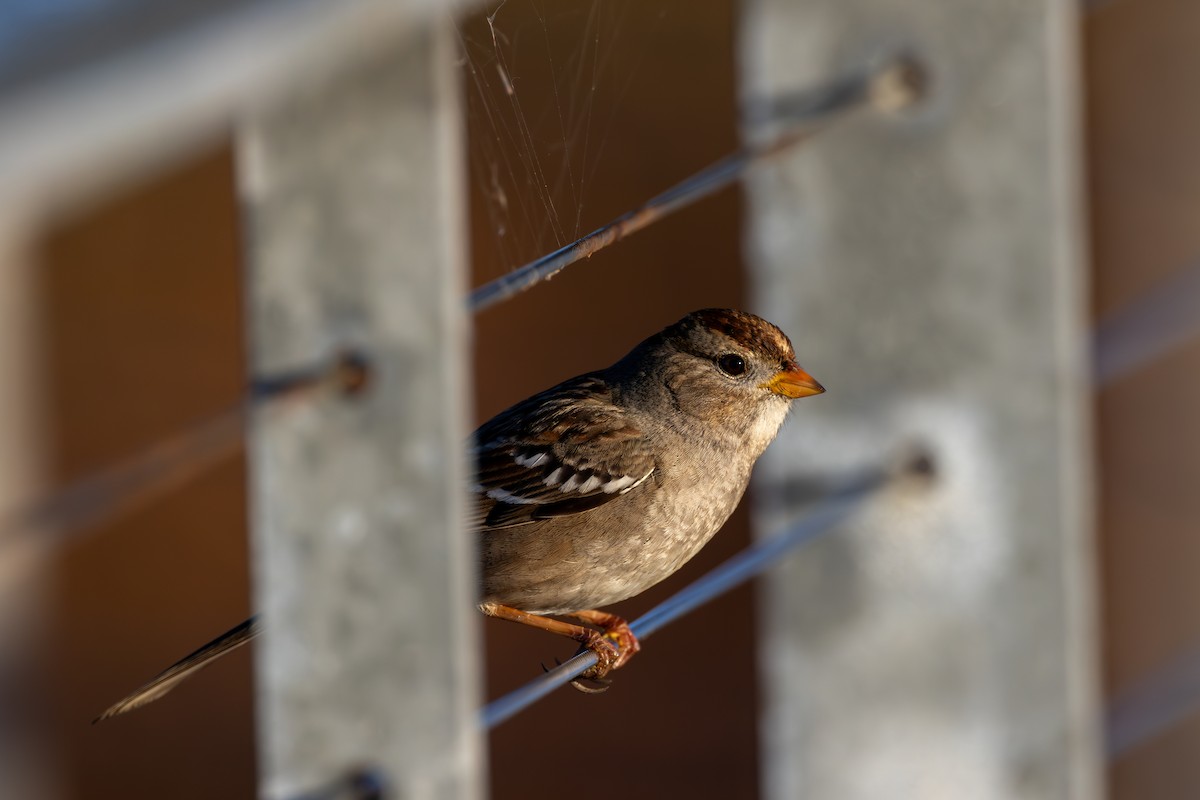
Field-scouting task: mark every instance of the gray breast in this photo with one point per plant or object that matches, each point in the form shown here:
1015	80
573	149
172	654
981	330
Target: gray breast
600	557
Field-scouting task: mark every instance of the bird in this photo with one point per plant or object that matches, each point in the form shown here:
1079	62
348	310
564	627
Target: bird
596	489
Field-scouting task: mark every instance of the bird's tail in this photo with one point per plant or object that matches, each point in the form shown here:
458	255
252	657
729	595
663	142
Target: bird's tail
185	667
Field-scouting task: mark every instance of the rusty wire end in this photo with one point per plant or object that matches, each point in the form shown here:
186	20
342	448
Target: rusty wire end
347	374
360	783
351	372
917	462
900	85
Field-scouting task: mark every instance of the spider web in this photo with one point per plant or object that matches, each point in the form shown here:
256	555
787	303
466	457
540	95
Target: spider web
545	81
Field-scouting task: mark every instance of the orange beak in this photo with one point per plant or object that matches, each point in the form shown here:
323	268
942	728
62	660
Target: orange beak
794	382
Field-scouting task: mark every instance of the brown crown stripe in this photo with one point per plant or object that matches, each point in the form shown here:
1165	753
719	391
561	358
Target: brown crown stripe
746	329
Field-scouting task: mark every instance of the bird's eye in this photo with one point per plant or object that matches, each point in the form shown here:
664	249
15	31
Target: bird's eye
731	364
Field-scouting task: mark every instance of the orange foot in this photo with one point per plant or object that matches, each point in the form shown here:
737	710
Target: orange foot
614	644
613	648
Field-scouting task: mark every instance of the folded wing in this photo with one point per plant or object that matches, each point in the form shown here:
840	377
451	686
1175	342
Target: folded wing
566	451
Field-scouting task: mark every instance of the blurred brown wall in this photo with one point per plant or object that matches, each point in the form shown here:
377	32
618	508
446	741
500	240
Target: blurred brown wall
1143	129
141	303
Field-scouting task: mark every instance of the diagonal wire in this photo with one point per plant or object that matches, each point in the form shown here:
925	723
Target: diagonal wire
893	86
1159	321
134	481
148	474
1157	703
832	509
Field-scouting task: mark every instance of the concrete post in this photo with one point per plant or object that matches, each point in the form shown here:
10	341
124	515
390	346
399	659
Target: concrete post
930	270
364	575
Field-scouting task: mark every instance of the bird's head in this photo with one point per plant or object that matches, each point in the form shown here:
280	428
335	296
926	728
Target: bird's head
729	368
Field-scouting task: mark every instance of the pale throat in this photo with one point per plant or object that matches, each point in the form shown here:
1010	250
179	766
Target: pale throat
767	424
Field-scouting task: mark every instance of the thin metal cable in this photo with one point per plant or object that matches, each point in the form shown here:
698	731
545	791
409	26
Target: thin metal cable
832	509
1159	321
891	87
1156	704
132	482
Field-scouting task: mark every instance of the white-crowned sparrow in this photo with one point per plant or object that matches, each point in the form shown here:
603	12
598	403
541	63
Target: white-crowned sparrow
600	487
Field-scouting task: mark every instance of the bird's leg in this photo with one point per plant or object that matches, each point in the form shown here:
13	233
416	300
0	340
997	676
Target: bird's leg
601	644
615	629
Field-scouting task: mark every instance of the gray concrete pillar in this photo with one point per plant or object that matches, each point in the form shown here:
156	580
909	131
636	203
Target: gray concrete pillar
929	268
363	572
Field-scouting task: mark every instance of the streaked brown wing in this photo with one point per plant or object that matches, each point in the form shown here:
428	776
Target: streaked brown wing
566	451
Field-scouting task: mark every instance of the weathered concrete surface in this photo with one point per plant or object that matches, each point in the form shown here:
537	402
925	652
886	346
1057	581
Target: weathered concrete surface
363	572
929	269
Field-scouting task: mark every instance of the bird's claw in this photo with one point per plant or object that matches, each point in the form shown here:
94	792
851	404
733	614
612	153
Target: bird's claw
592	685
608	658
598	685
612	649
627	644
